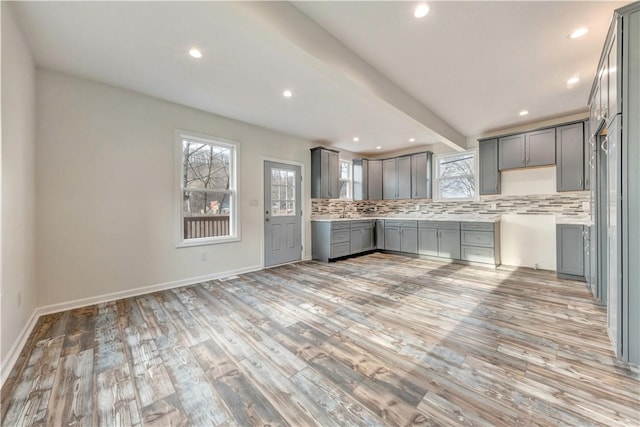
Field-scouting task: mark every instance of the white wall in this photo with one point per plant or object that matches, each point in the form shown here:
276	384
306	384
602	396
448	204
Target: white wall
105	171
18	278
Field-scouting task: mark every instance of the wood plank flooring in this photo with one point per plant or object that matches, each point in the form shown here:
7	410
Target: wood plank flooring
375	340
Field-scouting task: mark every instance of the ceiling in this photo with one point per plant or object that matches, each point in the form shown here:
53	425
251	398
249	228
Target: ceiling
356	69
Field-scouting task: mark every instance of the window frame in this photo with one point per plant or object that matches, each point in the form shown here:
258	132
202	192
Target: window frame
234	206
349	181
437	179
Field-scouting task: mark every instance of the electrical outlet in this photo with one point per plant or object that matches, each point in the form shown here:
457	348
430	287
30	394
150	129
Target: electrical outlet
19	298
494	206
417	207
203	256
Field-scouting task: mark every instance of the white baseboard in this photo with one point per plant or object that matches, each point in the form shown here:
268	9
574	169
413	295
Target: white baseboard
16	348
18	345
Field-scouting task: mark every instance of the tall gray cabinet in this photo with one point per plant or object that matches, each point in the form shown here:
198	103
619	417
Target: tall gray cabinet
614	142
570	157
325	173
489	173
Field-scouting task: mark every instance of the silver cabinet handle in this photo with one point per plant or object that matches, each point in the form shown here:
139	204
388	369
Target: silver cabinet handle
605	141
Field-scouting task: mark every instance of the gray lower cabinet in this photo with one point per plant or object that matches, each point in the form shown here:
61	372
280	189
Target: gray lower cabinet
330	239
362	236
325	173
489	173
335	239
570	244
439	238
480	242
401	236
374	180
570	157
379	234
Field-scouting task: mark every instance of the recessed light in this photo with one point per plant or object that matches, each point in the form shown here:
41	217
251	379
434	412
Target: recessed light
379	147
356	139
578	33
195	53
421	10
573	80
524	112
287	93
412	140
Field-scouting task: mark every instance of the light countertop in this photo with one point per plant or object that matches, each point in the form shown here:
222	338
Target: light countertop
457	218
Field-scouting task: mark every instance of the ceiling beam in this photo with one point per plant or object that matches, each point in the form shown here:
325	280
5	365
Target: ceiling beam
298	30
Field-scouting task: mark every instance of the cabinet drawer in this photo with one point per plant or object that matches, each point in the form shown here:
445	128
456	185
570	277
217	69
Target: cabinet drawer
482	226
339	236
340	249
442	225
476	254
362	224
340	225
477	238
401	223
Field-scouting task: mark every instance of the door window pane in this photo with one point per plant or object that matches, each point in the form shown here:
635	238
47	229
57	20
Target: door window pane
283	190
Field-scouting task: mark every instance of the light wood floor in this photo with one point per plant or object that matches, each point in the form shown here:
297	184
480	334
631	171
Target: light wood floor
375	340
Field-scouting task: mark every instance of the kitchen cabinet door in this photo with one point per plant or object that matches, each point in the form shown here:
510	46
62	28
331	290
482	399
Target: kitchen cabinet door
379	234
570	157
489	173
409	240
421	176
389	179
403	170
570	250
511	152
356	240
541	147
375	180
428	241
449	244
392	238
325	174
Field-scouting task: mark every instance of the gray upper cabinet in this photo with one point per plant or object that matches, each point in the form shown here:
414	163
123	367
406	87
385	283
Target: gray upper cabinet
360	179
540	147
421	175
374	180
489	173
325	173
570	157
404	177
389	179
535	148
511	153
396	178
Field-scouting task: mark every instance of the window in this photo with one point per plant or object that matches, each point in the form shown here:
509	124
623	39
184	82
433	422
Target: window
283	192
345	179
207	186
456	176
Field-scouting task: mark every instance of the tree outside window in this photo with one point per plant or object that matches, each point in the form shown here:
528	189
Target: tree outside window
456	176
207	186
345	179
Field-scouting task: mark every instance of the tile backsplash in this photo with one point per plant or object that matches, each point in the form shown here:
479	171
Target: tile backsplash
569	204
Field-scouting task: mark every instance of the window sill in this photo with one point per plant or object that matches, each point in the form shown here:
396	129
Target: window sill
208	241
